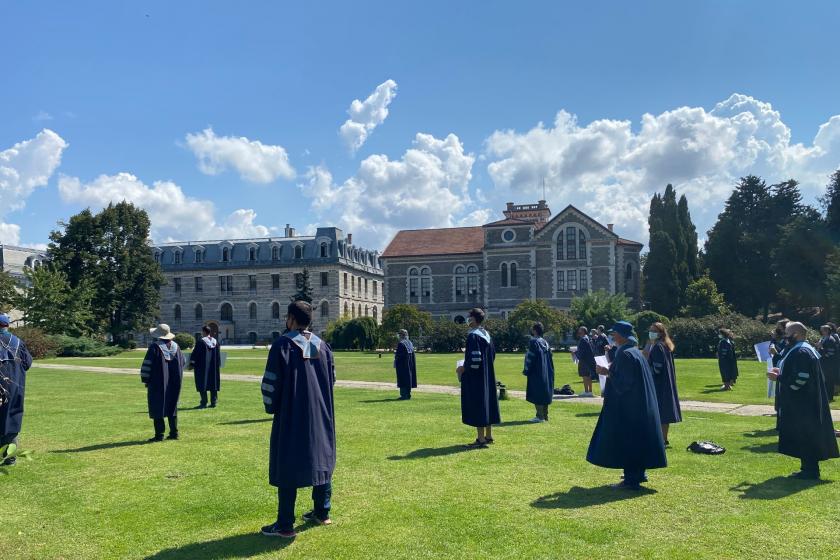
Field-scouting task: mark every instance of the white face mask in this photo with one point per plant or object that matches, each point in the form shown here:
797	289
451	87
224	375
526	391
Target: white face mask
653	335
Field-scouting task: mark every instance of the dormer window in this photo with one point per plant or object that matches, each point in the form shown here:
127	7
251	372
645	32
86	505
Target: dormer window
298	251
275	253
324	250
252	254
199	256
225	254
176	257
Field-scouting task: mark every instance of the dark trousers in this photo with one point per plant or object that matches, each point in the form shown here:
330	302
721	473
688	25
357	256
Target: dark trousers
213	396
542	411
405	392
810	466
634	477
160	427
286	498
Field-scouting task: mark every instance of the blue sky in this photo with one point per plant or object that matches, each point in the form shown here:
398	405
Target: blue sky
99	101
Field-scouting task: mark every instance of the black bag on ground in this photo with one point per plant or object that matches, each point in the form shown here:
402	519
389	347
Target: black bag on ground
564	390
706	448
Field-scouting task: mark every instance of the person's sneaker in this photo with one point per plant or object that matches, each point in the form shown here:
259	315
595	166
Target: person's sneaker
172	436
490	440
588	394
157	437
9	462
535	420
212	405
274	530
310	517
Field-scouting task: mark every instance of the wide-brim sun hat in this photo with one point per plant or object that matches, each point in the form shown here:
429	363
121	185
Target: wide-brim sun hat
623	328
162	331
5	320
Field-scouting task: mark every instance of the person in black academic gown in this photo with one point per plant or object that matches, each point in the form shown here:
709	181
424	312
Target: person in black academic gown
829	349
297	389
15	360
805	428
163	372
661	359
205	360
406	366
539	369
479	400
727	360
586	361
600	341
628	434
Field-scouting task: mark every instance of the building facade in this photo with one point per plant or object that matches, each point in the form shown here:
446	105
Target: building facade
14	260
241	288
527	255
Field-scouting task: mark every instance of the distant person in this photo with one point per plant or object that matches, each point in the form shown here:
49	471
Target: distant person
586	361
727	360
629	433
205	360
829	349
539	369
805	428
15	360
661	359
297	389
778	343
163	372
600	342
479	400
406	365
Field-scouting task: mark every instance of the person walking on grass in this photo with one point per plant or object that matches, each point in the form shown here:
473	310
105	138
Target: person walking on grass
205	360
586	361
162	372
539	369
727	360
297	388
628	434
15	361
805	427
406	366
661	359
479	400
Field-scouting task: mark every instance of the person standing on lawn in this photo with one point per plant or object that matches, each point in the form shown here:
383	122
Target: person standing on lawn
15	360
539	369
727	360
205	360
600	341
406	366
162	372
297	388
586	361
661	359
829	349
628	434
805	427
479	400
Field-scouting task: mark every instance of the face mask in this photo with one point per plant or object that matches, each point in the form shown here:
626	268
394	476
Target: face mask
653	335
611	341
720	336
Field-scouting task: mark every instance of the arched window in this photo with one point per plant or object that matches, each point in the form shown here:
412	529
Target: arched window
252	254
513	280
325	309
571	243
413	285
199	312
298	251
359	308
325	250
227	312
375	312
177	310
275	253
367	311
252	311
472	279
628	272
504	275
581	245
353	311
275	310
199	255
426	283
460	281
225	254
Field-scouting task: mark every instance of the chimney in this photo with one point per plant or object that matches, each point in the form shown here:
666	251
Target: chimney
290	231
349	238
610	226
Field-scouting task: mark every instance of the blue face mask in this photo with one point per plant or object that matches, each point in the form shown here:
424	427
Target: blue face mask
652	335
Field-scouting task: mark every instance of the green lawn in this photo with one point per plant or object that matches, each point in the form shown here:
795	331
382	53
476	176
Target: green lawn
696	379
403	487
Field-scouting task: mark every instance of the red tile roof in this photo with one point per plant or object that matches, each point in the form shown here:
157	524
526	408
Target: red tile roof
509	222
445	241
622	241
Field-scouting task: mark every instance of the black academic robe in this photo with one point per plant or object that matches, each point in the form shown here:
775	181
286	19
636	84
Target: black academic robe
805	428
727	360
15	360
586	358
599	344
539	369
163	372
628	434
205	362
780	346
479	400
829	359
665	381
406	365
297	389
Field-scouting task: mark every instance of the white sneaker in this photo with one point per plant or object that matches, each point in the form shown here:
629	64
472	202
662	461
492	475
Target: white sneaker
587	394
535	420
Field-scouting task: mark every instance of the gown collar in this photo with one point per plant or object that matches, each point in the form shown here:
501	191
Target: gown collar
480	332
310	347
210	342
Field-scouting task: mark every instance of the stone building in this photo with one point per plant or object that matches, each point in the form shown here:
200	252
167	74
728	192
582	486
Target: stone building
14	260
527	255
241	287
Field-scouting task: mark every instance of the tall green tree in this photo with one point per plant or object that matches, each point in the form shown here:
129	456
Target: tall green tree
304	287
830	202
689	238
404	316
662	285
528	312
51	304
799	261
8	291
599	308
702	298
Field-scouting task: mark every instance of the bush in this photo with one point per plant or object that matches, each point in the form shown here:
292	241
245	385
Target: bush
83	347
361	333
599	308
446	336
698	338
127	344
404	316
643	320
39	344
506	337
184	341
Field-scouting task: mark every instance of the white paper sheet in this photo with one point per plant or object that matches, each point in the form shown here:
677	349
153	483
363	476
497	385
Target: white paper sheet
762	351
602	380
769	364
459	363
223	356
771	389
602	361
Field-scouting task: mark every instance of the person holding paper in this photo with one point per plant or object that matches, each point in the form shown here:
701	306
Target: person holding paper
539	369
661	359
727	360
628	434
406	366
829	349
586	361
805	428
479	400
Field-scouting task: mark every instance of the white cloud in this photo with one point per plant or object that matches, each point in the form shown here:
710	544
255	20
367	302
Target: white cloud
254	161
9	234
427	187
367	115
610	171
42	116
174	215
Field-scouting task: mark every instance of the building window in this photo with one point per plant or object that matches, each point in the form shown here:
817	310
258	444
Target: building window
426	283
375	289
325	309
226	312
252	254
346	309
298	251
360	309
275	281
252	311
199	256
376	313
226	284
504	270
628	272
460	285
413	284
225	254
571	280
199	283
275	253
472	280
199	312
176	257
345	282
177	312
508	235
513	281
366	287
252	282
177	285
571	243
325	279
581	245
367	310
275	310
561	280
325	250
582	278
352	285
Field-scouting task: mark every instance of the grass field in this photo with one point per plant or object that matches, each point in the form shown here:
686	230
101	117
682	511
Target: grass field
696	379
403	488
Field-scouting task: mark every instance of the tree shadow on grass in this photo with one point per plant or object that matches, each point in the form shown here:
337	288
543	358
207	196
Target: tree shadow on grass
428	452
250	421
762	433
587	414
772	447
775	488
578	497
98	446
238	546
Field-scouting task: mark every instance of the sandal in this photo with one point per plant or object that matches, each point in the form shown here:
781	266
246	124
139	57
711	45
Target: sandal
477	444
